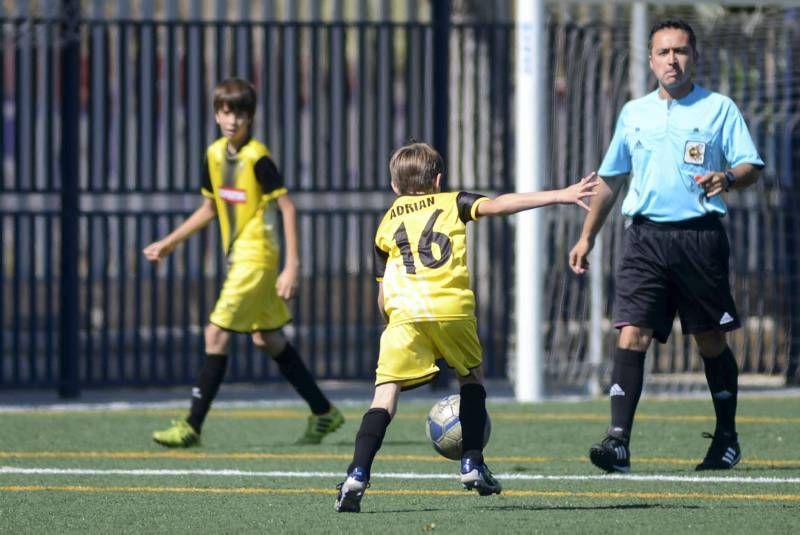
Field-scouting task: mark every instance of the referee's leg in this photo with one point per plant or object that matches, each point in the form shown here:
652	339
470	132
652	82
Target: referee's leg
627	378
627	375
722	375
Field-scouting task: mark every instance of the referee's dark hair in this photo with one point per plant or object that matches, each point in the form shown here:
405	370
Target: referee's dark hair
677	24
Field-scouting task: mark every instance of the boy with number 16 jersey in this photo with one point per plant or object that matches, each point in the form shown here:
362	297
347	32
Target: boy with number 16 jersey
425	296
438	293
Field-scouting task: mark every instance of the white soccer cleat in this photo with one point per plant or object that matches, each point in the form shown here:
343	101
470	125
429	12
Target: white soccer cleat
351	490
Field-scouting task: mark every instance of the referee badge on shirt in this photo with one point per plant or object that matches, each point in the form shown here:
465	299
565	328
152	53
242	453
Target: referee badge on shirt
694	152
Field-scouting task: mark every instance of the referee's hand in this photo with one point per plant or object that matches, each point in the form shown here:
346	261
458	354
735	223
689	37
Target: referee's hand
713	183
579	256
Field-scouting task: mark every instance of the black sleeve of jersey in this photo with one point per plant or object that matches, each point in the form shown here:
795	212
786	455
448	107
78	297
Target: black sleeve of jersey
207	177
268	175
465	200
379	258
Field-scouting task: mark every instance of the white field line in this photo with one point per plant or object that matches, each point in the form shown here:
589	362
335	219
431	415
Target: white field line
392	475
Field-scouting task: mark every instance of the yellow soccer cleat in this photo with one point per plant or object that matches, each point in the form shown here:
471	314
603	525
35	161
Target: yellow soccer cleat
320	425
180	435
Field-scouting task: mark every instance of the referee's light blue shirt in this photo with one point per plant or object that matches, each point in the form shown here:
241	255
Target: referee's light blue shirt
663	146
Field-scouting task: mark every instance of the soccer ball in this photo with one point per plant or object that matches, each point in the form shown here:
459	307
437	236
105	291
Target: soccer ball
443	427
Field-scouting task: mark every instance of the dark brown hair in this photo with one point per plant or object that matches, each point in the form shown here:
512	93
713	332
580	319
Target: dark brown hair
237	94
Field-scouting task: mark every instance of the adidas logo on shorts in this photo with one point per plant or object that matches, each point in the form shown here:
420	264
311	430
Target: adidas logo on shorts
725	319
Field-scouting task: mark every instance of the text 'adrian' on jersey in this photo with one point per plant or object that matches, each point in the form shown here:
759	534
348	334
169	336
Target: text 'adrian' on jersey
409	207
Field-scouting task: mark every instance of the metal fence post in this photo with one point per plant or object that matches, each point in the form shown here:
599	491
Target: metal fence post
530	146
791	197
440	11
440	14
68	382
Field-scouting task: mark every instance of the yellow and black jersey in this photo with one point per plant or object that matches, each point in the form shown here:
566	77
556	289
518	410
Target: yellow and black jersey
244	188
421	257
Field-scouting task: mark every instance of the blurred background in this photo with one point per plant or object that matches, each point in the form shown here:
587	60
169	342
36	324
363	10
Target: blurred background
106	114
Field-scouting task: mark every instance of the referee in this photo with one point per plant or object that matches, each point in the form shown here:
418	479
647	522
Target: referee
682	146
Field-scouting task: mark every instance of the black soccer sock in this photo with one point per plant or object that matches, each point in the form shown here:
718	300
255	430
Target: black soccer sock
204	392
369	439
627	378
722	375
472	414
293	369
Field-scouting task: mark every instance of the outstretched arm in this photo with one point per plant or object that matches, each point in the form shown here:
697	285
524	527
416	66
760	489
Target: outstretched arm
286	285
200	218
606	194
511	203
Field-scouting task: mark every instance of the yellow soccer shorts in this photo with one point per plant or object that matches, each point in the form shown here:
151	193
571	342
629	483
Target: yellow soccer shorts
248	300
409	351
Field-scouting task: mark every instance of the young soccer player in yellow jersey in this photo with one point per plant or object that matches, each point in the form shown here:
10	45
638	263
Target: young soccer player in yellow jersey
424	293
243	189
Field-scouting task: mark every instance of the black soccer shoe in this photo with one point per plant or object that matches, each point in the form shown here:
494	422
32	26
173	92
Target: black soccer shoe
724	452
479	477
612	454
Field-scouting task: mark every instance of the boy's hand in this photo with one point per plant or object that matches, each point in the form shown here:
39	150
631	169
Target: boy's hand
157	251
286	285
575	193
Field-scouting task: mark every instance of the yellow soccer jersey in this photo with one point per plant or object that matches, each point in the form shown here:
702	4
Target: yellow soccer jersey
421	257
244	187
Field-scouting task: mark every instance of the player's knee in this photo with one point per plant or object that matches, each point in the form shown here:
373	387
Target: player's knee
386	396
474	377
389	407
635	338
271	342
711	344
216	339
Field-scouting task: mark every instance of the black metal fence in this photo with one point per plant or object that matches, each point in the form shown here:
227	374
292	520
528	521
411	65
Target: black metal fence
334	100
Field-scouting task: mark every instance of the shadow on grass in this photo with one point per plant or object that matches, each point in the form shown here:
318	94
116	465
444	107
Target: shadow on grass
620	507
414	511
348	441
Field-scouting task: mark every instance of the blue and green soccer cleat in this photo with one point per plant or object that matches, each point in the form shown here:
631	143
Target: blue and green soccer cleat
351	490
479	477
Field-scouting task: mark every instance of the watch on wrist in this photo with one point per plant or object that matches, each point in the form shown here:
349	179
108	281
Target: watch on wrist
730	178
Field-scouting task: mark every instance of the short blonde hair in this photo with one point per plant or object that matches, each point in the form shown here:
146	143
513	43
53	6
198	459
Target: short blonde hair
414	168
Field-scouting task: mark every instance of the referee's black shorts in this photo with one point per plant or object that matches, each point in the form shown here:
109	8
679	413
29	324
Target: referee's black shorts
669	267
